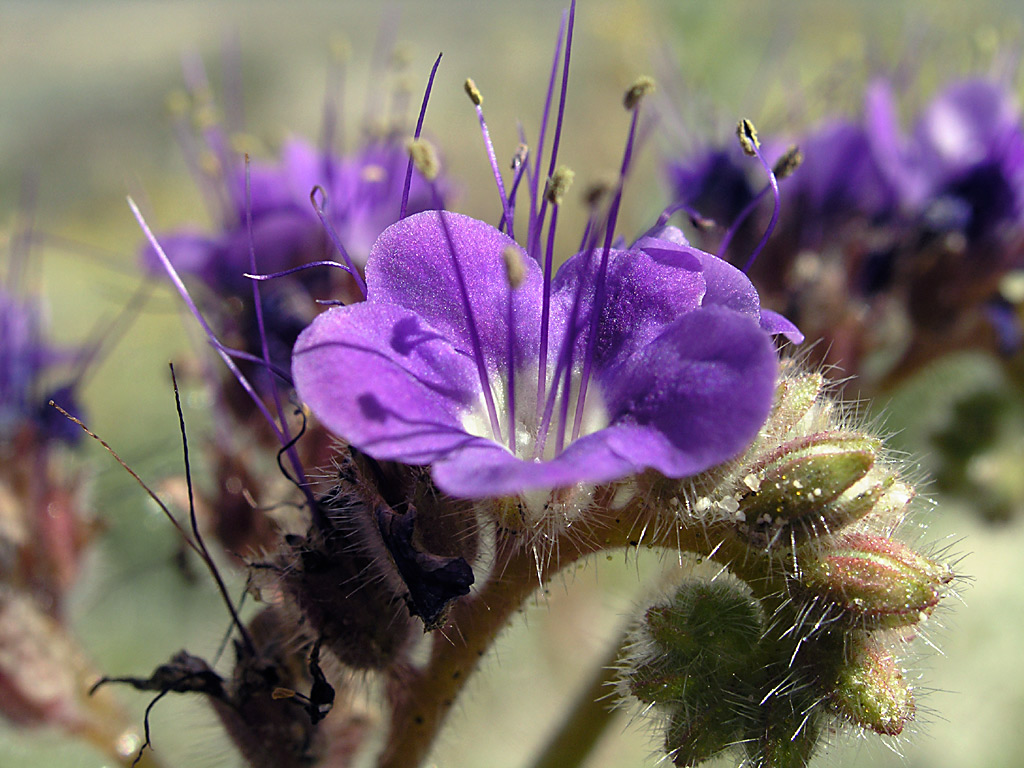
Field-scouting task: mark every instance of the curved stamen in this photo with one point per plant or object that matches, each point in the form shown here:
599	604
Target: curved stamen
748	139
535	242
416	135
300	268
696	218
474	95
633	97
319	208
179	285
738	222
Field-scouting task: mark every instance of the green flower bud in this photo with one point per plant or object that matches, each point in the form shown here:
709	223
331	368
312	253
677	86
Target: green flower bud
693	737
659	681
794	398
709	626
871	692
810	487
877	580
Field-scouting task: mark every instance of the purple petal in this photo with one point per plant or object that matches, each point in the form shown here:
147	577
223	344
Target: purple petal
726	285
482	470
387	382
643	294
411	266
693	398
776	324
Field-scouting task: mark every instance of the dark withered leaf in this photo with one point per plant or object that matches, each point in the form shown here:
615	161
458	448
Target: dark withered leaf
433	581
184	673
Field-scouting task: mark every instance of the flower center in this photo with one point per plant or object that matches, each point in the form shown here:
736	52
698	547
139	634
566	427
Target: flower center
534	441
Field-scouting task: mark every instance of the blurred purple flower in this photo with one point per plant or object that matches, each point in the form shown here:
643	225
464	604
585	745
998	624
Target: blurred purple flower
27	362
363	196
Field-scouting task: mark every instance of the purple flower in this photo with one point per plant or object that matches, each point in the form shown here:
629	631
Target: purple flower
26	362
270	219
439	366
364	196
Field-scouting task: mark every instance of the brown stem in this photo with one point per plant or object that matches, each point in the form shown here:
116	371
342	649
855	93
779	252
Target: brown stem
421	699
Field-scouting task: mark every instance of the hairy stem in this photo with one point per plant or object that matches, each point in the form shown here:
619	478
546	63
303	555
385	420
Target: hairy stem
422	698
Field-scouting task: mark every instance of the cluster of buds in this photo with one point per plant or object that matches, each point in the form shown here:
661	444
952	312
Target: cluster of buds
804	631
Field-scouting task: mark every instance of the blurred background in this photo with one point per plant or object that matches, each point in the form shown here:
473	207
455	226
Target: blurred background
84	122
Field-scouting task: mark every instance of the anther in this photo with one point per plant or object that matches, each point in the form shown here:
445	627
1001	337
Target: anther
522	152
515	270
786	165
640	88
747	135
424	157
596	192
558	185
177	102
473	92
340	48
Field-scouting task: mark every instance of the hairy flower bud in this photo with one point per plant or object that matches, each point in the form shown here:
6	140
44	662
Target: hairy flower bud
691	655
871	692
711	625
877	580
811	487
695	736
795	397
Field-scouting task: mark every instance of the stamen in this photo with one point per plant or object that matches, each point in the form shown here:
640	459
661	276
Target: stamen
332	130
515	273
748	140
206	122
300	268
262	330
533	233
319	208
416	135
555	190
179	285
519	167
642	87
542	213
696	218
424	157
474	95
